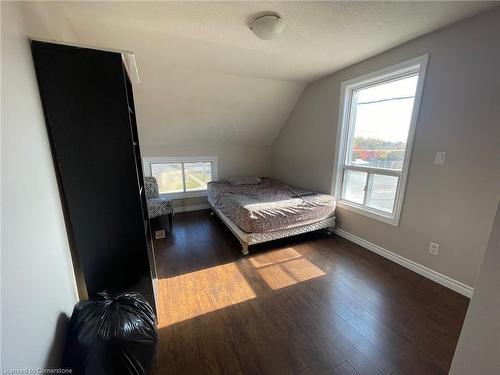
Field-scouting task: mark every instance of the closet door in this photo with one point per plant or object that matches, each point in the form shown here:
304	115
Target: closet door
84	97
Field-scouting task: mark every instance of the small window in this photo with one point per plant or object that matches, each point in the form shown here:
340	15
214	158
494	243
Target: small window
377	123
183	176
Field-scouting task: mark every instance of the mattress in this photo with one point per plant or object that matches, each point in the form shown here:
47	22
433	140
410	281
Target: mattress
270	205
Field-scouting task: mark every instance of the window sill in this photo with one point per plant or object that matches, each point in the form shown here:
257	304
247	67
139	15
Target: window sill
390	219
188	194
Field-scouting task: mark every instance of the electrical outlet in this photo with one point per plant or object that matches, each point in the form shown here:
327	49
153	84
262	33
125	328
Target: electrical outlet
433	248
440	157
159	234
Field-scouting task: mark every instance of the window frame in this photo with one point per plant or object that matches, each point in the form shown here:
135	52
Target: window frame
345	132
147	161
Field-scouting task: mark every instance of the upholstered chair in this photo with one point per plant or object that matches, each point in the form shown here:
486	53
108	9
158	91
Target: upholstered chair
157	206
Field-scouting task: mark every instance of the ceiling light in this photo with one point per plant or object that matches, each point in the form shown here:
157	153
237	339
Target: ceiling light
267	27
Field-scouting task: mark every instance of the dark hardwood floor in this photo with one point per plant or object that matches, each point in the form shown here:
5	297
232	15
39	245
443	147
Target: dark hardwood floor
312	304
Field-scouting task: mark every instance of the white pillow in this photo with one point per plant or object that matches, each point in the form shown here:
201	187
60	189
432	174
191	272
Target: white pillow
243	180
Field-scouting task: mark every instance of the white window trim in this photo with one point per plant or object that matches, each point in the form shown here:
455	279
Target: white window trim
182	159
392	72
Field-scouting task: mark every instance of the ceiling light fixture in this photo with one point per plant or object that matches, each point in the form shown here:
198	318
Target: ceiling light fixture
268	26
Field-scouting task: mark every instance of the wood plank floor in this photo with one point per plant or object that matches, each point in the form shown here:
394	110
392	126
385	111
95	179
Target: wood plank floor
312	304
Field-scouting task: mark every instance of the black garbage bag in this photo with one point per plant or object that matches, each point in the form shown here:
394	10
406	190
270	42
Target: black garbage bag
113	334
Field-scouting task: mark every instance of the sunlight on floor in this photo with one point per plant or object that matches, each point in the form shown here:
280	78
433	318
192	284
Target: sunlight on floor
273	257
282	268
196	293
187	296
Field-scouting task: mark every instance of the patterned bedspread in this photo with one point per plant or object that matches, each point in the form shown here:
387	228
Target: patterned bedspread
270	205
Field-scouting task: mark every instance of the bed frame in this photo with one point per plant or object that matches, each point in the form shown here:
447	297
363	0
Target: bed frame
247	239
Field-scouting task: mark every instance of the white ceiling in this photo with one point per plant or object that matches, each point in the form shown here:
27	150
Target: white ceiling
205	78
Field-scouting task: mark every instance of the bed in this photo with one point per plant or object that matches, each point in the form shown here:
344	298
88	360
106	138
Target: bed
269	210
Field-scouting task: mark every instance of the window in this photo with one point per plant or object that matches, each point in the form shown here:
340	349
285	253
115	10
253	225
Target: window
182	176
377	123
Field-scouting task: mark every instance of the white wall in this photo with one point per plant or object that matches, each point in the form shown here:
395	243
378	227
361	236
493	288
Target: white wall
205	77
453	204
234	160
38	286
478	349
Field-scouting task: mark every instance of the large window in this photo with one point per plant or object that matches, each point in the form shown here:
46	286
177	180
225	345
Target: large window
377	123
182	176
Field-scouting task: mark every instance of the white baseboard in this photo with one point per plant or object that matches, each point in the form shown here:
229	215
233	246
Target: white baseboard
194	207
439	278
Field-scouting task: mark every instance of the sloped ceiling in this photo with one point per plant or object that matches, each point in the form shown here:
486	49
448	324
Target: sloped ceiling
205	78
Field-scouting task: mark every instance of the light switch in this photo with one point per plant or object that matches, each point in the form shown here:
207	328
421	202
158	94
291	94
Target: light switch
440	157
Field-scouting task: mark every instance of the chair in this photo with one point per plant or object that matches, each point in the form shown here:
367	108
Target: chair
157	206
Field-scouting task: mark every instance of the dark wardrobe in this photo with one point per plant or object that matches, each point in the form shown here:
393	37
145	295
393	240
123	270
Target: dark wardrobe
90	116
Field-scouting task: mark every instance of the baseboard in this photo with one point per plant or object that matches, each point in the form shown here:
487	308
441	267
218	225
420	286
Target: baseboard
439	278
194	207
